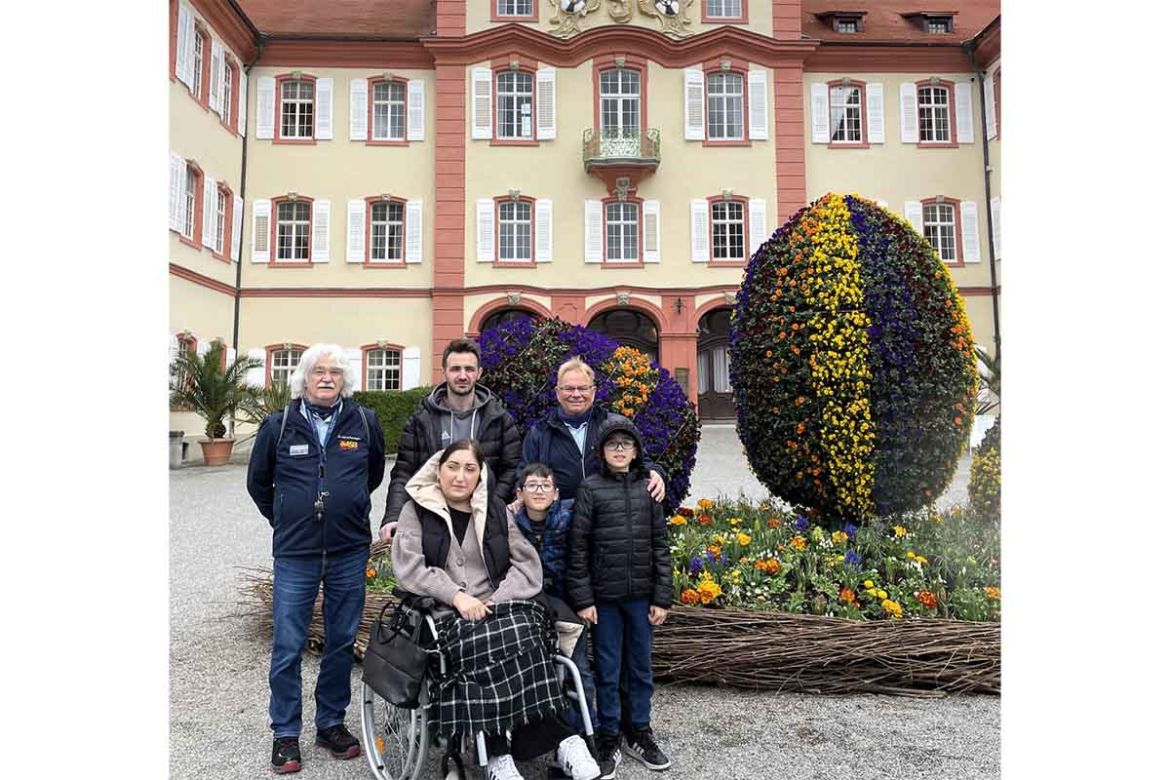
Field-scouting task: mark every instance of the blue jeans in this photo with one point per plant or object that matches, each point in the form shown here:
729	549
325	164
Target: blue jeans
294	589
580	659
622	639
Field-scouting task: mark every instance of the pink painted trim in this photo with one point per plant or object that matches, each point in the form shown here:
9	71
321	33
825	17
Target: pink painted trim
368	262
729	262
277	138
372	82
633	62
367	348
496	261
268	350
635	303
740	68
953	128
526	65
955	204
492	306
640	261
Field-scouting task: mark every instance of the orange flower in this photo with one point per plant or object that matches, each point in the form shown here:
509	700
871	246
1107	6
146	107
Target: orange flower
690	597
926	599
848	596
774	522
799	542
992	592
715	550
705	519
371	573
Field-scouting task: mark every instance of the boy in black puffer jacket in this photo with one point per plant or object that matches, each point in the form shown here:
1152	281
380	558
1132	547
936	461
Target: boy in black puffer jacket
620	580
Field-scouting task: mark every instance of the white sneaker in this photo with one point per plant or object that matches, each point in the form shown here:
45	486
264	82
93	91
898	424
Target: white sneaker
575	759
502	768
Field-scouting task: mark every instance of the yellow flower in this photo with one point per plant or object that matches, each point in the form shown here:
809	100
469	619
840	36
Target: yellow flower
892	607
734	521
706	503
881	594
678	520
899	531
719	539
992	592
840	537
919	559
799	542
743	539
868	583
709	591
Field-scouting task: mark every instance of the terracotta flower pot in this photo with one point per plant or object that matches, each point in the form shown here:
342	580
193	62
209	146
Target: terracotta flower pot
216	451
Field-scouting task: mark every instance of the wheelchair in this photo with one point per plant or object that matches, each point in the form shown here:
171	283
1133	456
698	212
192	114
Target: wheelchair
397	740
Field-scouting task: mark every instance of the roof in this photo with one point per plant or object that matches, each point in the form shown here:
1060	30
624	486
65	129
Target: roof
893	21
342	18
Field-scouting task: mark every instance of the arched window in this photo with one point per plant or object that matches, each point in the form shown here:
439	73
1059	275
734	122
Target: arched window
500	316
630	328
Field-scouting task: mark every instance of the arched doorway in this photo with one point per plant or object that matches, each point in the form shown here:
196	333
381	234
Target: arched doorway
630	328
500	316
715	398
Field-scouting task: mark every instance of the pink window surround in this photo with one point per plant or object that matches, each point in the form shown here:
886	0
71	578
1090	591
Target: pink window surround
727	263
277	138
231	114
498	17
272	245
639	261
204	94
369	262
954	204
949	86
271	348
370	140
864	142
196	239
367	349
632	62
740	68
524	65
228	205
531	261
741	19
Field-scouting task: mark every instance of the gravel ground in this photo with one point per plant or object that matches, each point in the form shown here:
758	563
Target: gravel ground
219	668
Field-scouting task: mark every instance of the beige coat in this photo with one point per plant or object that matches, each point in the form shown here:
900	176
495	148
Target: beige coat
524	577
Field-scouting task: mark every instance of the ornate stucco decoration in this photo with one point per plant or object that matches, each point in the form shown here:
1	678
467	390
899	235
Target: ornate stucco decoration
568	15
673	16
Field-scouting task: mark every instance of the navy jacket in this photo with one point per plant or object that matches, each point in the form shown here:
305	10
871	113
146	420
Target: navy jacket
553	543
549	442
283	480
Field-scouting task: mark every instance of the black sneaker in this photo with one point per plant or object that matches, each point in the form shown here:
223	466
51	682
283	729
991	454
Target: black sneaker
645	749
608	754
286	755
339	742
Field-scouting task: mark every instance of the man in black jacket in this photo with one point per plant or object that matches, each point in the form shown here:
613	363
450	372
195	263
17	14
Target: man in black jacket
457	409
312	470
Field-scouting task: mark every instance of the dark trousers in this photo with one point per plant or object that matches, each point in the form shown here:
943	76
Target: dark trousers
621	647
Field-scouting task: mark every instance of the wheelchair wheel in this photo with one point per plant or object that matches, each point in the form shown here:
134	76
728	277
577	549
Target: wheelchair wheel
394	738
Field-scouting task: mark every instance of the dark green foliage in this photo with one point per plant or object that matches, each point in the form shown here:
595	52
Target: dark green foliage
393	408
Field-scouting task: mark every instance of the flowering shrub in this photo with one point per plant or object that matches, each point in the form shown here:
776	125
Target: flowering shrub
520	360
852	363
760	556
983	487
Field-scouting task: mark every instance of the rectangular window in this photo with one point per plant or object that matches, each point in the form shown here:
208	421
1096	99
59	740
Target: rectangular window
727	231
514	8
292	231
220	212
513	104
845	114
389	111
225	103
386	231
383	369
189	202
724	106
845	25
721	9
516	231
296	109
284	362
938	24
197	82
934	118
938	226
621	232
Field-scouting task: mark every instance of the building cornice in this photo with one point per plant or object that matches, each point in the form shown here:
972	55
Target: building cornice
344	53
229	21
986	44
894	57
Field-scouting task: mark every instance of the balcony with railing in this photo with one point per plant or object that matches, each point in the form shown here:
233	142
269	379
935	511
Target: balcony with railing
629	152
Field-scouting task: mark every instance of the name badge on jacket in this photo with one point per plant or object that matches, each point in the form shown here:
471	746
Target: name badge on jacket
298	449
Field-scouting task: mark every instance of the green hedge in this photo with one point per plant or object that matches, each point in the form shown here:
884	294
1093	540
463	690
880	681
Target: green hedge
393	407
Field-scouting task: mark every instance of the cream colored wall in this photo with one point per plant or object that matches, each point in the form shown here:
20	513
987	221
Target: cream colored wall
338	170
555	170
759	17
207	314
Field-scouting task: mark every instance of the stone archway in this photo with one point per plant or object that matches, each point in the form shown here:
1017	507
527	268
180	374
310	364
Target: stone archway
715	397
506	314
630	328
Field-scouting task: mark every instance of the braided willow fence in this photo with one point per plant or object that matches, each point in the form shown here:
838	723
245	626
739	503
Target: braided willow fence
775	651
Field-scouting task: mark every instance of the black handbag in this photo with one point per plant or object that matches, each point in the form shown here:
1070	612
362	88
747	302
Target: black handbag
394	665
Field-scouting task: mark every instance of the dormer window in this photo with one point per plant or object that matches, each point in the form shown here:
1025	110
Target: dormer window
848	22
937	25
845	25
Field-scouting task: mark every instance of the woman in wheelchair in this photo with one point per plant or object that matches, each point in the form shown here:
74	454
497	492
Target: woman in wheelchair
455	544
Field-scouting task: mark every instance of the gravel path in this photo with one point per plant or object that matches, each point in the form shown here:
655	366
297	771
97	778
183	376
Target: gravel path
219	668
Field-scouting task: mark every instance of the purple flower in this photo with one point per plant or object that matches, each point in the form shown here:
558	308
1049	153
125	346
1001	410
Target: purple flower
801	523
850	530
852	559
696	566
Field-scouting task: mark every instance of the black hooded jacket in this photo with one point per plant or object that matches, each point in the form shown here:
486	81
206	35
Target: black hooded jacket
618	550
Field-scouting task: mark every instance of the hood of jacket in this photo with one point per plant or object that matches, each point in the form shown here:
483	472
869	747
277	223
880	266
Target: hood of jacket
621	424
437	400
424	488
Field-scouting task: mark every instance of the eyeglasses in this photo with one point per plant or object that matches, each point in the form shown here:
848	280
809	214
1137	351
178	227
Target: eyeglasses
539	487
615	445
321	371
575	389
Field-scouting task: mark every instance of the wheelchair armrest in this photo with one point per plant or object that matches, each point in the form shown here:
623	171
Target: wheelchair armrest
415	601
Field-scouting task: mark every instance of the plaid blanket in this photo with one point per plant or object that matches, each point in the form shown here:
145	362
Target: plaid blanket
500	672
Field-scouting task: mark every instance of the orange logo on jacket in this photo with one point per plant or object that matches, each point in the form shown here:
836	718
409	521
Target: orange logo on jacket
348	444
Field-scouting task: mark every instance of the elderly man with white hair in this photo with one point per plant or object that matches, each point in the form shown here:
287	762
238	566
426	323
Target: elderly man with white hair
312	471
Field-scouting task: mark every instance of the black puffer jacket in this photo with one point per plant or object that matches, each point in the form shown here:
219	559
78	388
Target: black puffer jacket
618	549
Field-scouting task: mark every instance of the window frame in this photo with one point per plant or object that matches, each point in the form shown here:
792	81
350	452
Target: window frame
740	68
270	352
955	205
744	203
639	259
499	261
369	261
952	129
632	63
496	16
274	232
224	191
504	65
380	347
707	18
194	180
373	83
229	93
929	19
278	136
864	142
201	88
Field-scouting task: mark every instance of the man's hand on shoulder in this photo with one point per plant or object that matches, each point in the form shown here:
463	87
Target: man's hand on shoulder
656	486
386	532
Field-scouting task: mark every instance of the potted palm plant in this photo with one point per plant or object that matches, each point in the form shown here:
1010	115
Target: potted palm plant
214	389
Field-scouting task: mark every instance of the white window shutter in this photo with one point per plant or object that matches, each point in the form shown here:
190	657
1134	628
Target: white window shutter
694	116
185	47
989	105
758	108
324	109
215	94
700	252
320	241
969	214
913	212
355	231
358	109
242	112
819	111
209	203
481	103
995	227
174	353
544	235
265	107
593	232
255	376
354	356
177	191
202	347
964	114
651	231
485	230
414	231
416	110
546	104
757	224
237	226
261	225
875	112
411	367
909	94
